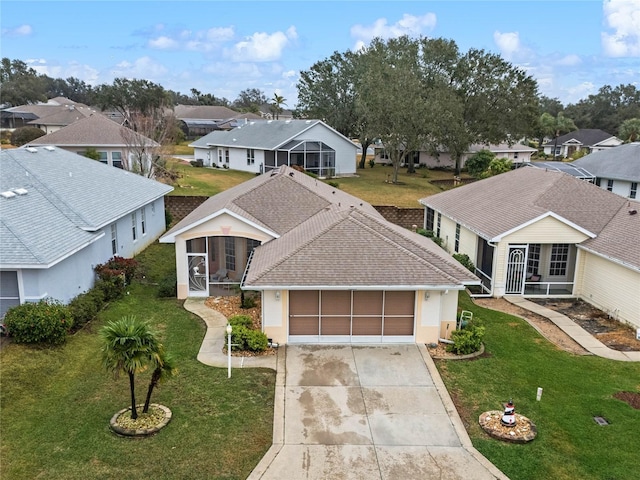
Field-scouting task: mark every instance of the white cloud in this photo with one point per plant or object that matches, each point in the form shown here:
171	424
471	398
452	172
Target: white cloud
163	43
74	69
21	31
581	90
623	17
289	74
143	67
508	43
569	61
409	25
262	47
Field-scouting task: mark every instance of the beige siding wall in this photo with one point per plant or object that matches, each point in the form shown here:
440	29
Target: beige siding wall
431	311
611	287
447	233
545	231
468	243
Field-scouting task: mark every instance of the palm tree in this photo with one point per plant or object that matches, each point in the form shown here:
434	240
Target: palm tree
278	101
128	346
165	368
556	126
630	130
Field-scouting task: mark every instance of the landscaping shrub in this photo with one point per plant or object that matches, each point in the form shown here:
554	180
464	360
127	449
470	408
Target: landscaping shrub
85	307
372	162
168	218
466	340
257	341
23	135
44	322
111	289
248	302
466	262
197	163
168	287
241	320
117	266
431	235
243	338
334	184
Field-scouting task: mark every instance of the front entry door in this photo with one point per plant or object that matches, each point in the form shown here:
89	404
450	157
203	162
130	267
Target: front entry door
516	269
197	274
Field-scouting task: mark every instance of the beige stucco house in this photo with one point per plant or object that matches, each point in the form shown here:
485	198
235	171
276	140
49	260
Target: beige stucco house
329	268
543	233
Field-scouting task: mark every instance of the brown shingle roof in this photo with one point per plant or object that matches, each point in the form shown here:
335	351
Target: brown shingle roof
347	248
498	204
277	201
95	130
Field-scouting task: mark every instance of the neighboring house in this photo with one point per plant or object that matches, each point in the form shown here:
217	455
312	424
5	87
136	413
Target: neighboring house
616	169
327	265
589	139
199	120
567	167
265	145
62	214
544	233
517	153
49	117
117	146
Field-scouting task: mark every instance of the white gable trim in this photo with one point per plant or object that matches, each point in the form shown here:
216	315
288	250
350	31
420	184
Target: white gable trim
172	238
540	217
357	287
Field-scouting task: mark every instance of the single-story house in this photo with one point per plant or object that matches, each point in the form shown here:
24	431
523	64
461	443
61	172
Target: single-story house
51	116
589	139
329	268
544	233
263	146
199	120
517	153
117	145
615	169
62	214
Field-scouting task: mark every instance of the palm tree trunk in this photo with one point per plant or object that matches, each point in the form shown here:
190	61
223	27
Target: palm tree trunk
154	382
134	412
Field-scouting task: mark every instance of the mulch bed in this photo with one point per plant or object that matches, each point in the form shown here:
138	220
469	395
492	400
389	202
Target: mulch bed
632	398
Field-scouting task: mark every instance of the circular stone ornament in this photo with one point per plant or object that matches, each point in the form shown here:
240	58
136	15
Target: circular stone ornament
522	432
143	431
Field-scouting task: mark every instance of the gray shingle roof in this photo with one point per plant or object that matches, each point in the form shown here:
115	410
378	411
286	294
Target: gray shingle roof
585	136
619	163
498	204
263	135
69	199
93	131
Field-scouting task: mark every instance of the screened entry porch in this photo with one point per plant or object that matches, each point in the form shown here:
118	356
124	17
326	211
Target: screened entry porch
536	269
216	264
313	156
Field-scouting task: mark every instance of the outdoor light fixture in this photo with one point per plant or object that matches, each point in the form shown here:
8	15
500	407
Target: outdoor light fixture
426	295
229	330
277	294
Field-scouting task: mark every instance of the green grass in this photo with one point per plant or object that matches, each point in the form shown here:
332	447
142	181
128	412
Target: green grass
369	184
57	402
182	148
569	444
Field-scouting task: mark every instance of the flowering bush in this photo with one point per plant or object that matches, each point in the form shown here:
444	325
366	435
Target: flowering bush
44	322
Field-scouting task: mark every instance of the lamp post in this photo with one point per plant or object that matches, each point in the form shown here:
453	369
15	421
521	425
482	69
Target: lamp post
229	330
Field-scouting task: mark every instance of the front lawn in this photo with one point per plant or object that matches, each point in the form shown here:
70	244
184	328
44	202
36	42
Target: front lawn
370	184
570	444
57	402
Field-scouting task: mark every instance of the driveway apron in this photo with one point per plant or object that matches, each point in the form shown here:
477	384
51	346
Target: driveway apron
367	412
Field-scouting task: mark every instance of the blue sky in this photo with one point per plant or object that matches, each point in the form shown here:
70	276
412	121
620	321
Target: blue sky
572	48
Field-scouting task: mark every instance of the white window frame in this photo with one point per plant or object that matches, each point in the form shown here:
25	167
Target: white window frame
559	260
251	156
230	253
134	226
114	239
633	190
143	221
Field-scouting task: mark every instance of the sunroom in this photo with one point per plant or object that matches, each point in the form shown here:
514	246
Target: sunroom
315	157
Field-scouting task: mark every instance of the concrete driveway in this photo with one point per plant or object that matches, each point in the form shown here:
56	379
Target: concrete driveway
354	412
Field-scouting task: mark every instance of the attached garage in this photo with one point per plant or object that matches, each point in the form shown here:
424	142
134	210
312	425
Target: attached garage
351	316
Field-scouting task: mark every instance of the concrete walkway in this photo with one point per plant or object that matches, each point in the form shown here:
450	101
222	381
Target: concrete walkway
575	331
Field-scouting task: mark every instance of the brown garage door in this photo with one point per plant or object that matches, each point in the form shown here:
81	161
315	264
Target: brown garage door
348	315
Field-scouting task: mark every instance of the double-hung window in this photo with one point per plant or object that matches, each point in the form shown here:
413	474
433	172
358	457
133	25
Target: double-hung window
457	242
134	226
634	190
610	185
230	253
116	159
114	239
438	226
143	221
430	215
251	156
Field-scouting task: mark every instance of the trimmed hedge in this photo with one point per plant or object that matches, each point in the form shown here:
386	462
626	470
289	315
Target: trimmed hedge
46	321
